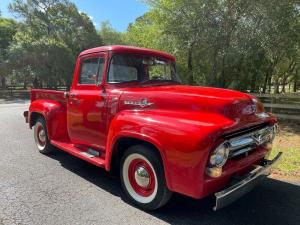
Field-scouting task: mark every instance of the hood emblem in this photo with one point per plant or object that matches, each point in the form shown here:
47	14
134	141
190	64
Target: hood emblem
142	103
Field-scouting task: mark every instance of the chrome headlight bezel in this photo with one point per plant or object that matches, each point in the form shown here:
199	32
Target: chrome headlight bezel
220	155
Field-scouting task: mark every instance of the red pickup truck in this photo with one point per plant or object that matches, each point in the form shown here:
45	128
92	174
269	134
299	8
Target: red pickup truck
126	109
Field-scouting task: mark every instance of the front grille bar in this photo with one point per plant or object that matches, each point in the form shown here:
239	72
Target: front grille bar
246	142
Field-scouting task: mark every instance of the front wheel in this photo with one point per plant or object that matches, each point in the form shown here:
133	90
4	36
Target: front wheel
142	177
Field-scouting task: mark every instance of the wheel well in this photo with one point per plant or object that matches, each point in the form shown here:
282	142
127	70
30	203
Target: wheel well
124	143
33	118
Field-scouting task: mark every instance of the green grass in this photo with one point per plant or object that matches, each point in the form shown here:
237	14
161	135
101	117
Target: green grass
289	165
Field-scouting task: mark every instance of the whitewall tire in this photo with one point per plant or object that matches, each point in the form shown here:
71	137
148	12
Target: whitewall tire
41	136
142	177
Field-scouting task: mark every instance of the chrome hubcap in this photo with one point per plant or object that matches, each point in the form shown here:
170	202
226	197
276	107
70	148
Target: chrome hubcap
142	177
42	135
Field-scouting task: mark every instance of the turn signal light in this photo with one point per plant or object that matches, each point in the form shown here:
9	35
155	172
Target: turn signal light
268	146
214	172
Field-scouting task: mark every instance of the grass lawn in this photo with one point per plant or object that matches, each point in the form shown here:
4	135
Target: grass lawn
288	142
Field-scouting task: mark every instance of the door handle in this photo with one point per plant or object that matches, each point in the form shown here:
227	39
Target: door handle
72	95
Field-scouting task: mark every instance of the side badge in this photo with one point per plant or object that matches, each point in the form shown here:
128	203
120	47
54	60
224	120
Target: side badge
143	103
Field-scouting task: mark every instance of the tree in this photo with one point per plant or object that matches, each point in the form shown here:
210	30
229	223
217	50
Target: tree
109	35
245	45
236	44
8	28
52	35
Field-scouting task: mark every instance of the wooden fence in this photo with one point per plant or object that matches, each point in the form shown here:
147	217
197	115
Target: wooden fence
284	106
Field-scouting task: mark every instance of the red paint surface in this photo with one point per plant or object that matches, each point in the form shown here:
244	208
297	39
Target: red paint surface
184	122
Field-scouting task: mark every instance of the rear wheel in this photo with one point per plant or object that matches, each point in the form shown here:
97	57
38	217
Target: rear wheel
143	179
41	136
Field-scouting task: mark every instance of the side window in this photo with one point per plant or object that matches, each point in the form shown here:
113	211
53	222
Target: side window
91	71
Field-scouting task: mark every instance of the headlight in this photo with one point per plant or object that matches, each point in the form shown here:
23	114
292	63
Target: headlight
219	156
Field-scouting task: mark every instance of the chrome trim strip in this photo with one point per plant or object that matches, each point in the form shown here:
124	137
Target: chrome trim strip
241	151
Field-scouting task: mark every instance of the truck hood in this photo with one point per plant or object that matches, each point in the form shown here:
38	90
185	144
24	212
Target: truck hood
234	105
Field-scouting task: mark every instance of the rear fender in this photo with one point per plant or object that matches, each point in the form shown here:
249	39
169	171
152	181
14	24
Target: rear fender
54	114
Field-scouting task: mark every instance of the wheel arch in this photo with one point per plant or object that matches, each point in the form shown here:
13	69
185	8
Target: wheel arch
54	114
34	117
123	142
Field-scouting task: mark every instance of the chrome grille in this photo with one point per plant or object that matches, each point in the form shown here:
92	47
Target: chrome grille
249	141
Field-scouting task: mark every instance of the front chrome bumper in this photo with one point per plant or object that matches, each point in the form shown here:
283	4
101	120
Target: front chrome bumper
230	194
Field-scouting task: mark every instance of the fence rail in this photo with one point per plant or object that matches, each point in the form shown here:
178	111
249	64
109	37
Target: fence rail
284	106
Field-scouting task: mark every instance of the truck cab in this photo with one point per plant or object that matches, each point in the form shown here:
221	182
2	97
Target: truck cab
127	109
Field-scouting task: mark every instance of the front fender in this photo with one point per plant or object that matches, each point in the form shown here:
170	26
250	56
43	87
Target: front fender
54	113
182	140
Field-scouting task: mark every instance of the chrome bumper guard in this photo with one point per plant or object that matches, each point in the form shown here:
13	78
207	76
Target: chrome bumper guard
237	190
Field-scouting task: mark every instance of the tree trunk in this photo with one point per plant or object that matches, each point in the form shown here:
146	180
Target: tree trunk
35	83
253	83
270	83
3	83
268	78
25	83
276	86
190	65
295	83
222	84
265	83
283	88
212	77
284	83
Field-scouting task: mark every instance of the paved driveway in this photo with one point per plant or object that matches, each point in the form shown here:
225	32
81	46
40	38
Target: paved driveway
60	189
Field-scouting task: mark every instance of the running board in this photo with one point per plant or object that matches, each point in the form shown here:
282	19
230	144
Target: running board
90	155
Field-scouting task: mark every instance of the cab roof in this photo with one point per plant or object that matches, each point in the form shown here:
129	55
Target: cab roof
128	49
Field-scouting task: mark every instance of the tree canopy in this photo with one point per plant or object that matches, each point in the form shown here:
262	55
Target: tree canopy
245	45
51	35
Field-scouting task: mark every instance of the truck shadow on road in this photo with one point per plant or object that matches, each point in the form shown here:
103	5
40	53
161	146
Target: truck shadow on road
272	202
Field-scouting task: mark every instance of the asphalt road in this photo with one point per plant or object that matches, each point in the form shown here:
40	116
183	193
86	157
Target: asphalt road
60	189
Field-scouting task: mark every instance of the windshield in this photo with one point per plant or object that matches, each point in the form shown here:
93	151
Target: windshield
134	68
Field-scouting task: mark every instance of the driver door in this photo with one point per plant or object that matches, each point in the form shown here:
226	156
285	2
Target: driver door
86	114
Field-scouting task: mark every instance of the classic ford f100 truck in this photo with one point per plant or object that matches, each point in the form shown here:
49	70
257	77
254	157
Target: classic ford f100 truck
127	110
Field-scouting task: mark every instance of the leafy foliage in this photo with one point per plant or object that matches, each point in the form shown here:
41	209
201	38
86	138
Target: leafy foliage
8	29
246	45
233	43
53	33
109	35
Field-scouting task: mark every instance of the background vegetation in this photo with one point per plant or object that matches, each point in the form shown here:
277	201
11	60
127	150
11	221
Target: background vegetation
246	45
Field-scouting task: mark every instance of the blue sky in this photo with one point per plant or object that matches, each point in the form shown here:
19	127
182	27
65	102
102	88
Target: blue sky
119	12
